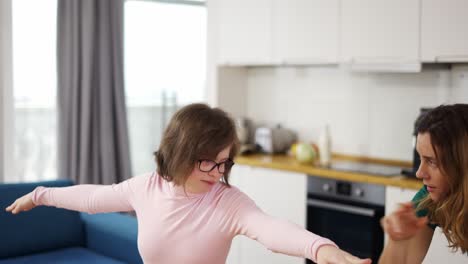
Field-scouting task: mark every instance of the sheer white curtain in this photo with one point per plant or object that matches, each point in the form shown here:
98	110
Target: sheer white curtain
165	64
34	89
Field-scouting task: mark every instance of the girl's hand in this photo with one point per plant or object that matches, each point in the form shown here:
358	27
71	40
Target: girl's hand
21	204
331	255
403	224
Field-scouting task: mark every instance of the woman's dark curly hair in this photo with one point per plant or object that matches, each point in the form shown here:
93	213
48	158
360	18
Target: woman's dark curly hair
447	126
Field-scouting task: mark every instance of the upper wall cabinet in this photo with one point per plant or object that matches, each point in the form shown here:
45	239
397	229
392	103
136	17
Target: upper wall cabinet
381	32
444	30
380	35
305	31
277	32
244	32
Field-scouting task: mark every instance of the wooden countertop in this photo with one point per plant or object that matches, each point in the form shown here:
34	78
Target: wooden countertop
288	163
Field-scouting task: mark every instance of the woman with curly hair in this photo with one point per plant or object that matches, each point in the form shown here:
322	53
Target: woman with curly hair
442	144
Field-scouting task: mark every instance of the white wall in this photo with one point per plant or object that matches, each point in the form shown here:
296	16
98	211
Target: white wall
5	91
459	88
370	114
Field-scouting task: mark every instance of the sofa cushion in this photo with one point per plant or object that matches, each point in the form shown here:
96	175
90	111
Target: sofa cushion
74	255
41	229
113	234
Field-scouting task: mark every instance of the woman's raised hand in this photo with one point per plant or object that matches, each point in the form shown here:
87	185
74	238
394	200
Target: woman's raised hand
22	204
403	224
331	255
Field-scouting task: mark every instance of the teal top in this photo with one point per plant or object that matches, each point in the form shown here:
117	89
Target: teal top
421	194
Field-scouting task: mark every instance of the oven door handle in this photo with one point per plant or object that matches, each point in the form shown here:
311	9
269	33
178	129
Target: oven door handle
341	207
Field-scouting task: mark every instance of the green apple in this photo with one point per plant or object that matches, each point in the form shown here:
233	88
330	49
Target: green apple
305	153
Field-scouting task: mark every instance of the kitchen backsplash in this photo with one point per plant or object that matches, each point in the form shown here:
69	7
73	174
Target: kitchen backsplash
370	114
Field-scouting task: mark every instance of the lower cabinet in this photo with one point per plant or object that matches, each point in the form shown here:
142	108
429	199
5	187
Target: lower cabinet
438	251
278	193
395	195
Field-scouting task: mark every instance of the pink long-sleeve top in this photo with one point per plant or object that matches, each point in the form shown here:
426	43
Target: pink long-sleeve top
179	227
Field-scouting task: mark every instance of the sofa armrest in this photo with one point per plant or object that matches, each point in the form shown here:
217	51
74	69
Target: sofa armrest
113	235
42	229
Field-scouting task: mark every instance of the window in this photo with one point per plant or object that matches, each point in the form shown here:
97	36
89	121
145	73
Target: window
165	64
34	89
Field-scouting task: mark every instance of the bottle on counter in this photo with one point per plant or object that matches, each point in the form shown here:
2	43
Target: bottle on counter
324	144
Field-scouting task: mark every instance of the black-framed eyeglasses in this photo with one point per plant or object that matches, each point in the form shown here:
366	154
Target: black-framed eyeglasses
207	165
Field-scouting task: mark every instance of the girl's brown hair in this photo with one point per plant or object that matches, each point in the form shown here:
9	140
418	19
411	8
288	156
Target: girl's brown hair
195	132
447	126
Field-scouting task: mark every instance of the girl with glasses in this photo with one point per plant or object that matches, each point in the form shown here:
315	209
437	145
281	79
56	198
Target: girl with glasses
187	211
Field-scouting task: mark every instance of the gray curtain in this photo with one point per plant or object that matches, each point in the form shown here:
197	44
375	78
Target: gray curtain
93	136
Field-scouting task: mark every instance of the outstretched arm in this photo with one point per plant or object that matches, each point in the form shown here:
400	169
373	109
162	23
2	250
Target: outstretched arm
285	237
84	198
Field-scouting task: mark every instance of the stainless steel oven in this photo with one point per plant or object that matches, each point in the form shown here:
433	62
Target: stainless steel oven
348	213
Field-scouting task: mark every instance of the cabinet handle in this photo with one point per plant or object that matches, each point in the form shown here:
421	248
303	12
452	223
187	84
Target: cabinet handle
385	64
341	207
382	59
258	62
452	58
308	61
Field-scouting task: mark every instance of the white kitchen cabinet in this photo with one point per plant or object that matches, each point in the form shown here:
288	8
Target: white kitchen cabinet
272	32
244	31
381	33
444	31
278	193
438	251
305	31
235	178
395	195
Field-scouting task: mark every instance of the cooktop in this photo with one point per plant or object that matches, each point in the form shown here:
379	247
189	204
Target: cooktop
366	168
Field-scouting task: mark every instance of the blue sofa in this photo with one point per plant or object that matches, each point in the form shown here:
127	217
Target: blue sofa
54	236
